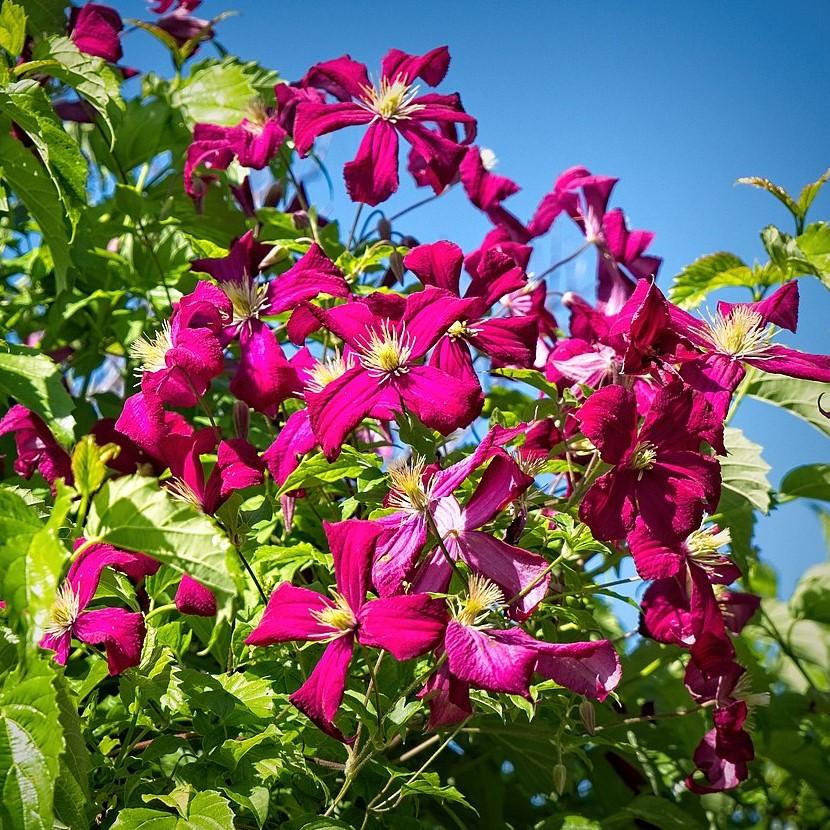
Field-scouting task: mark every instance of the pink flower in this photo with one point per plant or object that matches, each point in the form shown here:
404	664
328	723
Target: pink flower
254	142
96	30
405	626
36	447
386	336
739	335
121	632
658	472
390	108
194	598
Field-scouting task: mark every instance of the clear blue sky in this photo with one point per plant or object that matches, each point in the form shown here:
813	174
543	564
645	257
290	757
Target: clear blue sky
678	100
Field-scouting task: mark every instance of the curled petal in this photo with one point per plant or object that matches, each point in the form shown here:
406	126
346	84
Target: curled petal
121	633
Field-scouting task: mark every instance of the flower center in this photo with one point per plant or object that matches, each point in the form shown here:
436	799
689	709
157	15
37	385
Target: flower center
325	371
257	113
704	546
65	611
338	616
248	300
182	491
644	456
408	492
740	333
150	351
461	329
387	353
391	100
483	596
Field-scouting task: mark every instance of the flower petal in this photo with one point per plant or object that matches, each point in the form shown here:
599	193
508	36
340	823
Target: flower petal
289	616
121	632
405	626
372	175
352	544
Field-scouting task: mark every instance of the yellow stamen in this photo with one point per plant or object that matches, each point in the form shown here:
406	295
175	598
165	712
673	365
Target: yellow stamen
248	299
325	371
644	456
65	611
391	100
150	351
462	329
740	332
387	353
338	616
704	546
408	492
182	491
483	596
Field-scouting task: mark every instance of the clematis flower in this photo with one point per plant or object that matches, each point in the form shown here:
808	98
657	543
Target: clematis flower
183	26
415	494
505	659
405	626
254	142
390	108
739	335
96	30
36	447
515	571
237	306
658	472
121	632
386	336
510	340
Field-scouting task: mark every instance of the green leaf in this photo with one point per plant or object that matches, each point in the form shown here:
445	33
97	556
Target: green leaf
32	185
814	244
316	469
30	746
26	103
133	513
811	481
800	397
696	281
18	520
217	92
35	381
88	467
776	190
809	193
142	818
45	17
207	810
12	27
661	813
811	598
744	471
429	784
91	77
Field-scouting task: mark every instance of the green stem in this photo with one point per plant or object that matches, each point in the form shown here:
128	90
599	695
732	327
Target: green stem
741	394
159	610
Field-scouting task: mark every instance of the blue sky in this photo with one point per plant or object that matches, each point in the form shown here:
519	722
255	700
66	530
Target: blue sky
676	100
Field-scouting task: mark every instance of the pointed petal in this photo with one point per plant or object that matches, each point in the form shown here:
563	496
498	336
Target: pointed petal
430	67
314	119
437	264
396	554
121	633
608	507
314	273
289	616
352	544
440	401
295	439
85	570
448	698
502	483
781	360
405	626
609	419
372	175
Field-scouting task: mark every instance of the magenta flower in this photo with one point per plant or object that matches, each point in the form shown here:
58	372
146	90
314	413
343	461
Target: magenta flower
387	335
194	598
121	632
254	142
405	626
509	340
96	30
515	571
658	472
390	108
36	447
740	335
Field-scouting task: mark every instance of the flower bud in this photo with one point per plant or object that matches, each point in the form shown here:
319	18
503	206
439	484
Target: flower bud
241	419
560	778
385	229
273	195
588	715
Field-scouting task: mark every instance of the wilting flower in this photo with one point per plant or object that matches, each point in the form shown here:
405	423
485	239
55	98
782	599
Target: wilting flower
739	335
387	335
658	472
516	572
254	142
36	447
405	626
121	632
96	30
505	659
509	340
391	107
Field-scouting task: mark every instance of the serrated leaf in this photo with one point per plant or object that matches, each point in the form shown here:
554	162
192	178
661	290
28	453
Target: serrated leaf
800	397
91	77
207	810
744	471
35	381
810	481
810	191
134	513
814	245
317	469
217	92
88	467
30	747
12	27
32	185
776	190
707	274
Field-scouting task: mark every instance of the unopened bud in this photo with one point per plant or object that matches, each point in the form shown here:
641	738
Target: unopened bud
273	195
410	242
385	229
241	419
301	220
588	715
560	778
